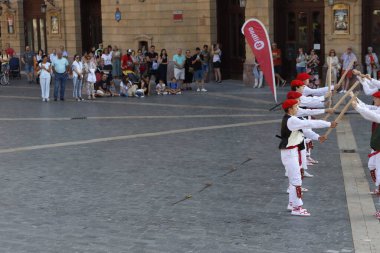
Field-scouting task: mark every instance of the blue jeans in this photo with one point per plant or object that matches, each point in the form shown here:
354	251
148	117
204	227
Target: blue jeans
60	83
77	91
301	70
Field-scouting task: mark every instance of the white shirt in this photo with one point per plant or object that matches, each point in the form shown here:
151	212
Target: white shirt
309	112
216	56
316	92
107	59
312	102
52	57
44	73
371	115
295	123
78	66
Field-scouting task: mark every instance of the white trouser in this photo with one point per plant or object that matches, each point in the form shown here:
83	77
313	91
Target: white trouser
90	89
45	87
374	163
289	158
372	72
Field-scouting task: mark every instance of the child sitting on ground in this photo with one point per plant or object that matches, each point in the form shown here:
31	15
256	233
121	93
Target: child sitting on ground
161	88
112	89
174	88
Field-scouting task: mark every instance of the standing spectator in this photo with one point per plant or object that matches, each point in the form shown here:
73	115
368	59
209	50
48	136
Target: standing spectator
196	62
179	66
10	51
312	66
258	74
301	61
53	55
107	58
45	77
277	62
60	69
151	58
216	62
346	58
36	61
141	63
116	68
89	77
163	67
27	60
77	69
205	62
64	52
335	65
372	63
189	71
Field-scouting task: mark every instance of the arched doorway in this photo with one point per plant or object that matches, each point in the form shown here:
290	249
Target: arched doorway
298	23
35	25
230	19
91	19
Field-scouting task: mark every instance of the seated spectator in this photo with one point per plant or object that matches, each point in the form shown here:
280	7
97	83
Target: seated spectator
102	86
174	88
112	90
161	88
125	86
145	83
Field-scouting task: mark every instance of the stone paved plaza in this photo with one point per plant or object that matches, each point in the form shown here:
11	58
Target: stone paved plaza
105	176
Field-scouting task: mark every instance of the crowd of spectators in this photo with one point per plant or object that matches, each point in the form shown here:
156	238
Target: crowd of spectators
310	63
110	71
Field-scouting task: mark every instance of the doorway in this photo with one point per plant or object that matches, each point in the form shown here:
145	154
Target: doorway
91	19
371	27
298	24
35	25
230	19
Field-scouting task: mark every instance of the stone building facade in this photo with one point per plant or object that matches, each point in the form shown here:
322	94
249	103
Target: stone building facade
172	24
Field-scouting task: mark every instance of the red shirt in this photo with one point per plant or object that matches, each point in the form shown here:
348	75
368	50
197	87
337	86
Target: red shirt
276	53
10	52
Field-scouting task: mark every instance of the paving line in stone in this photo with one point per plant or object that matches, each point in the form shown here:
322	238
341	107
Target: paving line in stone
137	117
151	104
365	227
134	136
245	99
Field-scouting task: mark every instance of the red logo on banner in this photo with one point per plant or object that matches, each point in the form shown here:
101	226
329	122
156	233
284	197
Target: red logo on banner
258	39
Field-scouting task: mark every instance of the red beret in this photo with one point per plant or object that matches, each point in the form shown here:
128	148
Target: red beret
376	94
297	83
289	103
293	95
303	76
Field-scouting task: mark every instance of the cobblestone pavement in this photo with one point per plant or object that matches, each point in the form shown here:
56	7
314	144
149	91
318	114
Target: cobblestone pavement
103	176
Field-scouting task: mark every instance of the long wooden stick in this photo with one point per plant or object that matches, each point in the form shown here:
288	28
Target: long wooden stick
336	87
340	116
342	98
329	83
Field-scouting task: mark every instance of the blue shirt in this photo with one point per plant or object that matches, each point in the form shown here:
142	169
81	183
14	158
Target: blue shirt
60	65
173	85
179	59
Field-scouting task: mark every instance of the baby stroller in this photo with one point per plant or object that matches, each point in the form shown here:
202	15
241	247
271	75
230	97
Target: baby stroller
14	68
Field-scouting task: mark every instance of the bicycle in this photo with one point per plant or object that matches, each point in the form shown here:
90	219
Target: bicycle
4	75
